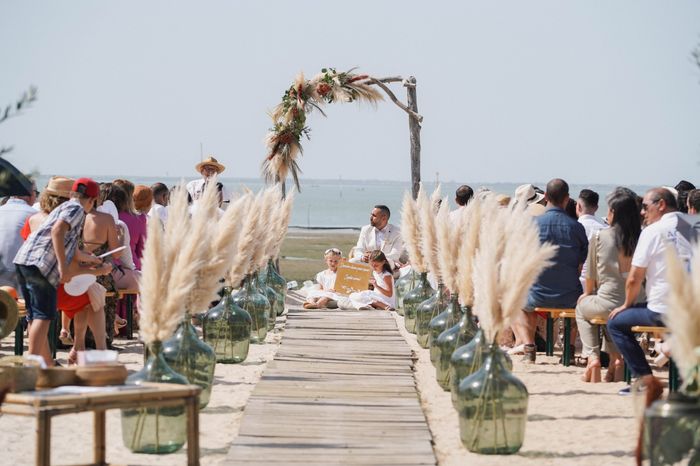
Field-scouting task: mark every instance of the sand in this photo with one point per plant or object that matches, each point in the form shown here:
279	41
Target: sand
569	421
219	421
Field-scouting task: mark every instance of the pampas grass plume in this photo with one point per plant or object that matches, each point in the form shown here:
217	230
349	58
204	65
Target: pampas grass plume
410	231
246	241
429	235
448	247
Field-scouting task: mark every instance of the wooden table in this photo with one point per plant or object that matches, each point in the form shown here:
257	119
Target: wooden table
43	406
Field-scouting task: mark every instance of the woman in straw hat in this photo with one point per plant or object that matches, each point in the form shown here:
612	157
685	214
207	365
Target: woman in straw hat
208	168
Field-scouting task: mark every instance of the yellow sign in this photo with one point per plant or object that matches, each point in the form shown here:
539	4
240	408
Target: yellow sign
352	277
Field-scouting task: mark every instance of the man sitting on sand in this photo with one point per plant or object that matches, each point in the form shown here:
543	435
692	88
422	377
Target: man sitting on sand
208	168
379	235
558	286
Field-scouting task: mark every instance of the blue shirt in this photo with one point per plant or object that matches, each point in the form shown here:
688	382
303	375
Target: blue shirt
559	285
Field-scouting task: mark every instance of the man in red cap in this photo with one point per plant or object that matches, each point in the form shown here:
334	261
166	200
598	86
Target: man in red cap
44	261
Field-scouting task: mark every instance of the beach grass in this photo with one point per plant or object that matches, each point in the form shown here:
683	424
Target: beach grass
301	257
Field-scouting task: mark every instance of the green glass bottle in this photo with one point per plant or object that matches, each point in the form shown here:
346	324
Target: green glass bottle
403	285
272	298
492	407
187	355
226	329
278	283
155	430
449	341
447	318
672	429
414	298
426	311
257	305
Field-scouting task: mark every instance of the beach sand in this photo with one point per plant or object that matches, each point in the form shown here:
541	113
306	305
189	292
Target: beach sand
71	439
569	422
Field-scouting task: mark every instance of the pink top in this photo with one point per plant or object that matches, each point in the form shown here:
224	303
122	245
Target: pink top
137	224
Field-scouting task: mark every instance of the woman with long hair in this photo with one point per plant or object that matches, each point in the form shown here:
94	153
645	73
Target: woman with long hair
609	260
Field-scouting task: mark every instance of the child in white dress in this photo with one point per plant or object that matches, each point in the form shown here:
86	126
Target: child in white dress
325	296
382	281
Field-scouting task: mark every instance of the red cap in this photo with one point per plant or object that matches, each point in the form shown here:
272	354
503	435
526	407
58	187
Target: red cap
86	186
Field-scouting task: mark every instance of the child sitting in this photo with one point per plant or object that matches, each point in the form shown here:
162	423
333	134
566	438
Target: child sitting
382	281
325	296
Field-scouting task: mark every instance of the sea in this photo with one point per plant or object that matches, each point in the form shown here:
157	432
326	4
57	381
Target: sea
346	204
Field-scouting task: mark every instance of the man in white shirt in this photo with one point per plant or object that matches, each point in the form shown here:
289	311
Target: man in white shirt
381	235
586	207
12	217
208	168
661	219
462	196
161	197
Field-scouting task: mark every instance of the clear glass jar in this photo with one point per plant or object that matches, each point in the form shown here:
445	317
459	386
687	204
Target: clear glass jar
402	286
426	311
492	407
278	283
672	430
226	329
187	355
449	341
257	305
155	430
272	298
449	317
414	298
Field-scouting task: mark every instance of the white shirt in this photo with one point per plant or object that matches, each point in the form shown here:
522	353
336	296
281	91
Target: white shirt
650	255
326	278
592	225
196	189
159	211
456	215
12	217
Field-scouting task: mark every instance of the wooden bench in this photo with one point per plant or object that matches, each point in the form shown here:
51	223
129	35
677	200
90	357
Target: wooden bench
552	314
658	332
129	296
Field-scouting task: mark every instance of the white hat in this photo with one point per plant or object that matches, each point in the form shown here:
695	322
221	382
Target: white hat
527	193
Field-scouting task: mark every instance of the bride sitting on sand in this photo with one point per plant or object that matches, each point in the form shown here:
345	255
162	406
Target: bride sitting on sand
382	294
325	296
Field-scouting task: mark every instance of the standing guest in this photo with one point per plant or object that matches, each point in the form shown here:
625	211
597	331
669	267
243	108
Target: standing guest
207	168
143	199
44	259
693	201
381	296
462	196
586	207
528	194
661	218
325	296
135	221
571	209
683	188
609	261
379	235
161	198
13	216
558	286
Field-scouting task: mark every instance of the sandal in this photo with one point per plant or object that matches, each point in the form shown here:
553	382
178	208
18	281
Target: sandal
65	337
72	357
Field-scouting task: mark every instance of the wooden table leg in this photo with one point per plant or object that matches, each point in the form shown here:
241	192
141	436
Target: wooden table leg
192	409
99	438
19	338
43	439
129	303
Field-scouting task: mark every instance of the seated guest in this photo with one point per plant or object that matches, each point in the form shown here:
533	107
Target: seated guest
207	168
13	216
693	201
381	296
325	296
528	194
143	199
661	219
558	286
379	235
462	196
161	197
683	188
135	221
586	207
608	264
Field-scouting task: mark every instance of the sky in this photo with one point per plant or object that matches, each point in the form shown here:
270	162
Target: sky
510	91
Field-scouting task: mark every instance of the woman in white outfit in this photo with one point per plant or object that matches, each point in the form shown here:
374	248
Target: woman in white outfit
325	296
382	281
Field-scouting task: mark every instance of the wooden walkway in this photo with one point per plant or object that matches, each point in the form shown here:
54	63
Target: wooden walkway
339	391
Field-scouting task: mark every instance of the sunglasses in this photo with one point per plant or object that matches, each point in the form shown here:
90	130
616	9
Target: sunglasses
646	206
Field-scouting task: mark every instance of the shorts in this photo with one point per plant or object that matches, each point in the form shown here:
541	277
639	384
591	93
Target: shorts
39	294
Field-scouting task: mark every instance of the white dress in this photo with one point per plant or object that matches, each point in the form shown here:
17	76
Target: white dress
367	297
326	279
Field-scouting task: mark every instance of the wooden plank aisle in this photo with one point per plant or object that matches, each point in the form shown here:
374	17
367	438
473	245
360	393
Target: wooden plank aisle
339	391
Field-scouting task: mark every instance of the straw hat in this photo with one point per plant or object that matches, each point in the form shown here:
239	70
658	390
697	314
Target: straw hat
211	161
143	198
527	193
59	186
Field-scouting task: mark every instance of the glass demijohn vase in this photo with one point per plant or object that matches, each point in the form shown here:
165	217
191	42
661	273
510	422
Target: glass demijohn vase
272	298
277	283
403	285
449	341
155	430
226	329
257	305
414	298
187	355
492	407
449	317
426	311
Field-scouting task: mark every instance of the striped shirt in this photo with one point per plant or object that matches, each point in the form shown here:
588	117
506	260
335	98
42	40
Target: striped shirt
38	249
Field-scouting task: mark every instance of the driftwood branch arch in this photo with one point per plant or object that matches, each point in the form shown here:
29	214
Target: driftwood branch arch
289	117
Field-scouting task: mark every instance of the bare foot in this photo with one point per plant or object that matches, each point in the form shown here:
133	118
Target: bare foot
592	372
